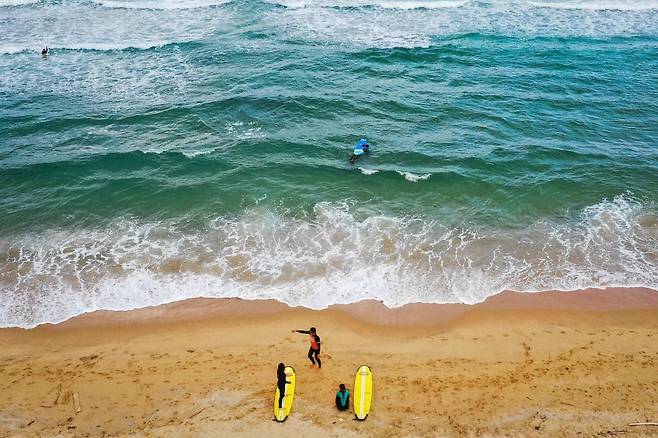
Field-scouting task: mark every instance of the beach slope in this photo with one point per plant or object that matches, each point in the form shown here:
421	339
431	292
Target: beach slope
546	364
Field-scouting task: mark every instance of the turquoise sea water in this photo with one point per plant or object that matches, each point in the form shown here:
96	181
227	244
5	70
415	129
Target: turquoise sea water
168	149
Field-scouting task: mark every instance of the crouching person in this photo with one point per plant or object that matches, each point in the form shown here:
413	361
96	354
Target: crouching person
342	398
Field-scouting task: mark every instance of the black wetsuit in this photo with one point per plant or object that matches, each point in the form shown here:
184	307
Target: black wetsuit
281	384
313	352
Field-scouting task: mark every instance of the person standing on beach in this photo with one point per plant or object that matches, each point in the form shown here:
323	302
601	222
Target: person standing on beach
315	345
281	382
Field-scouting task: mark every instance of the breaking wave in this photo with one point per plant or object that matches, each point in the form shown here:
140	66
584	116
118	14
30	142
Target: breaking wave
337	254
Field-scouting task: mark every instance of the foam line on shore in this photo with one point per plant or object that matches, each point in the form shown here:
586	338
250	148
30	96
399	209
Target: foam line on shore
371	311
333	256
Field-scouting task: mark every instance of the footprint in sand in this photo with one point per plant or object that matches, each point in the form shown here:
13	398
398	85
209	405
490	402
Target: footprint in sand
527	349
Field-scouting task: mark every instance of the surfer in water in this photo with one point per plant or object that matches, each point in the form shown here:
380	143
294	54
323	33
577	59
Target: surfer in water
44	51
361	148
315	345
342	398
281	382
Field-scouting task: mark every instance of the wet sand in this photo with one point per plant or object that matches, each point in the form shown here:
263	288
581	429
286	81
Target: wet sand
547	364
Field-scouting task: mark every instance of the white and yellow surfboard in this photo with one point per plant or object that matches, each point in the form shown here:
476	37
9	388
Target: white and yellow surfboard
362	392
282	414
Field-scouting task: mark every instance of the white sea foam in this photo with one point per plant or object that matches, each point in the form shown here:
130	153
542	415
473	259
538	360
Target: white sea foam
386	27
412	177
386	4
368	171
118	82
194	154
243	130
12	49
123	24
419	4
17	2
75	26
336	255
160	4
232	132
587	5
599	5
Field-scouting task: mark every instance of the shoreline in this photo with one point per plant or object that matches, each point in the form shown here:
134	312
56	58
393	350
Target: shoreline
370	311
536	364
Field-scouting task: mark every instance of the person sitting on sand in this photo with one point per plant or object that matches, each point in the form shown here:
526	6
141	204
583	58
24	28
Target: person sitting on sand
315	345
281	382
342	398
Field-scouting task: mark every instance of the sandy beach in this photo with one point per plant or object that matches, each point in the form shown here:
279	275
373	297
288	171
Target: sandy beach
546	364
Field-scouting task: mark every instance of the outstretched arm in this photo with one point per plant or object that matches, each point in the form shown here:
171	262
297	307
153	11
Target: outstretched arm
306	332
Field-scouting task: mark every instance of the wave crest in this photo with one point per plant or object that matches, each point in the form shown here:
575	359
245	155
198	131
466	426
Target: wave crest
5	3
385	4
161	4
599	5
412	177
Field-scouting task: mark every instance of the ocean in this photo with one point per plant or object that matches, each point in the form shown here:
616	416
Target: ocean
170	149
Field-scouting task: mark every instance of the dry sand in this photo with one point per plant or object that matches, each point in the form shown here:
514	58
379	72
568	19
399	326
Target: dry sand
549	364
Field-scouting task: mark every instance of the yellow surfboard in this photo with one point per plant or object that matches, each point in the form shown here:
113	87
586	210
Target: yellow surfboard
362	392
286	406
